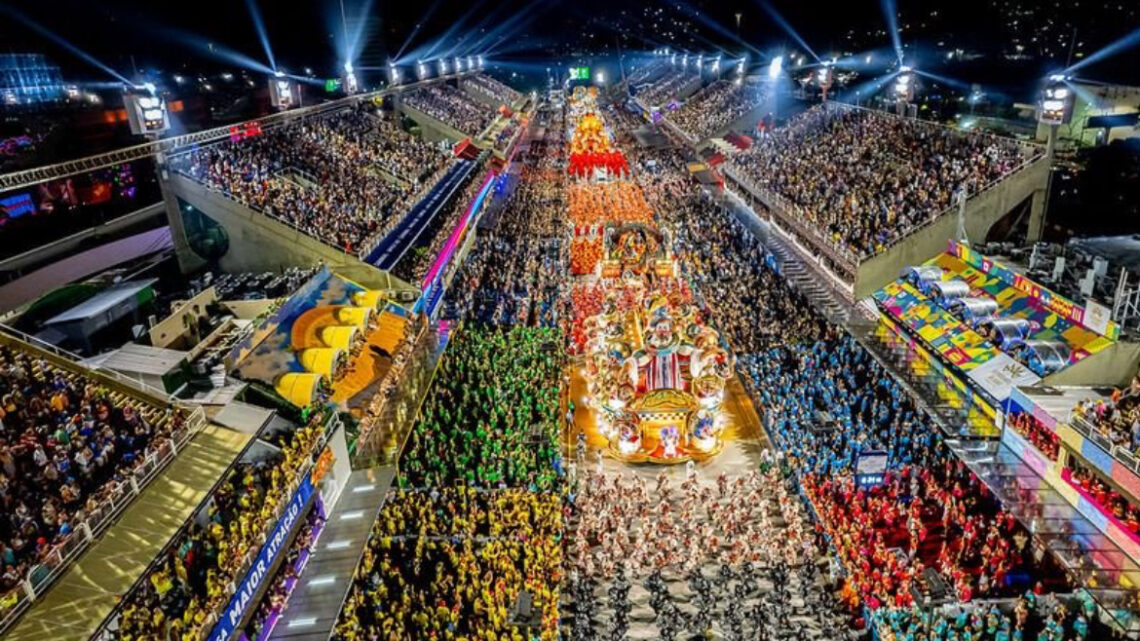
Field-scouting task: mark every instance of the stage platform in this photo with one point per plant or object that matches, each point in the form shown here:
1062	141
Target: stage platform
76	604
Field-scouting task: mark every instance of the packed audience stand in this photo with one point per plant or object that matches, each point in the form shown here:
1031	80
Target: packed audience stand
717	106
452	107
664	89
492	88
68	443
865	179
323	175
183	593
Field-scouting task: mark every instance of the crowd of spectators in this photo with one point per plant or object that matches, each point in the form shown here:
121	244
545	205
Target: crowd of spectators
276	597
182	594
1118	418
320	175
664	89
492	88
716	106
514	274
1100	492
865	179
452	107
66	442
1044	439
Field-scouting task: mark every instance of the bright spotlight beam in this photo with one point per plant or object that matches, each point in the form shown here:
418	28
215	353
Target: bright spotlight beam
259	24
890	12
867	88
787	27
1113	48
957	84
59	40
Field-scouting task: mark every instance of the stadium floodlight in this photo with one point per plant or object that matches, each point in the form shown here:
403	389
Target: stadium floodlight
479	59
776	67
458	64
673	59
470	63
393	73
716	64
283	92
350	84
146	110
442	65
600	78
1056	104
825	76
905	69
421	70
685	61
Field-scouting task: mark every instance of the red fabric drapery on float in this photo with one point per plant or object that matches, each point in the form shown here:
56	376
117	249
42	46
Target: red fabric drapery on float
582	165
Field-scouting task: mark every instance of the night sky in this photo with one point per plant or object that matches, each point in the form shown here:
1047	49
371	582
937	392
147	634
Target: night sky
172	35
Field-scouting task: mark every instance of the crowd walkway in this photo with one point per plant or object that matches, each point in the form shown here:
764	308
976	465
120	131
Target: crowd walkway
75	606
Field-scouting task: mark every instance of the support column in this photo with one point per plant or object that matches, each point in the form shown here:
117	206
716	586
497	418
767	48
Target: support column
1036	216
188	261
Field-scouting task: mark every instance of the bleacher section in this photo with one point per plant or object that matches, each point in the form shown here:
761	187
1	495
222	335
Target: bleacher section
450	106
85	594
83	446
714	108
318	175
847	209
498	93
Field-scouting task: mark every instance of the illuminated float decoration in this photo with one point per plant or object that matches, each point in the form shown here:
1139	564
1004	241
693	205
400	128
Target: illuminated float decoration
656	377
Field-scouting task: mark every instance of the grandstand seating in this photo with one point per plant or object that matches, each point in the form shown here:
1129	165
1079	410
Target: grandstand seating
451	107
865	179
70	446
320	175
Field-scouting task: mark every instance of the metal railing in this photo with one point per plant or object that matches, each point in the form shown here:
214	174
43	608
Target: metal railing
115	496
1094	433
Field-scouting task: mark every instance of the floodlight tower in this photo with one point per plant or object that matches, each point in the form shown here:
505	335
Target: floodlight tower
421	70
1055	108
350	84
393	74
904	90
825	76
146	111
283	93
